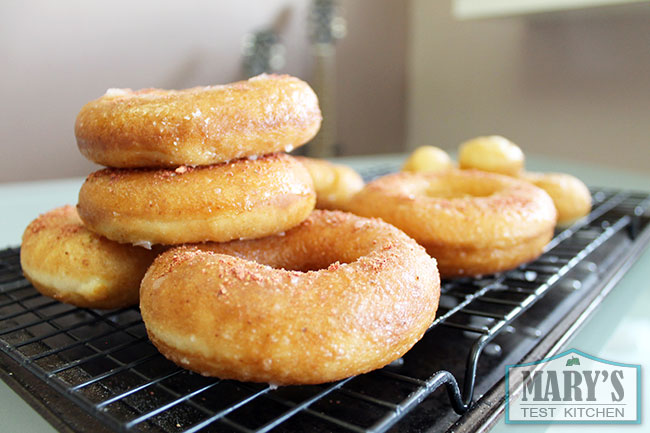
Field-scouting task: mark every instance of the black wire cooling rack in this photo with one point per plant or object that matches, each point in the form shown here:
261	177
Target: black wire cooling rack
96	370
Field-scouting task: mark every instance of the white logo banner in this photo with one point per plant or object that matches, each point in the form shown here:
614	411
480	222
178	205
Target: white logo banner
573	387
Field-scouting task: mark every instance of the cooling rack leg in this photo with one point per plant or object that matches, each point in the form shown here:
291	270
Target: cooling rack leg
470	369
635	227
453	391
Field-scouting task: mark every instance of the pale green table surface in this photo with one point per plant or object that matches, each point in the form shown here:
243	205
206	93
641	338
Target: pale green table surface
619	330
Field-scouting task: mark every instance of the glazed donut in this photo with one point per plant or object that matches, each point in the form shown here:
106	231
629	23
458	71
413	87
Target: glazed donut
240	199
493	153
472	222
198	126
570	195
335	184
336	296
428	159
66	261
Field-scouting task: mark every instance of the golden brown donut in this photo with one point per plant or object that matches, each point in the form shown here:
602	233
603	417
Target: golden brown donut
472	222
336	296
335	184
493	153
68	262
428	158
570	195
240	199
198	126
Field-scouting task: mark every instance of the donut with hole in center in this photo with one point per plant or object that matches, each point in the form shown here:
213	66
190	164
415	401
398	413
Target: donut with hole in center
240	199
198	126
337	296
472	222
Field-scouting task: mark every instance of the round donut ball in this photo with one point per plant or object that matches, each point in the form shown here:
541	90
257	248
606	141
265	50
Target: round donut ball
570	195
492	153
198	126
337	296
335	184
68	262
240	199
473	222
428	159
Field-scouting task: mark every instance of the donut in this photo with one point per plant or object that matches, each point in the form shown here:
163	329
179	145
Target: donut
493	153
240	199
472	222
428	158
337	296
64	260
198	126
570	195
335	184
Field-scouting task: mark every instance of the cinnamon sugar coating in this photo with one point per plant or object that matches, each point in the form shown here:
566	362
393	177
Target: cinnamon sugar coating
472	222
66	261
240	199
198	126
336	296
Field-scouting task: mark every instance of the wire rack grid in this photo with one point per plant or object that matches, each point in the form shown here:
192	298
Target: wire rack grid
103	363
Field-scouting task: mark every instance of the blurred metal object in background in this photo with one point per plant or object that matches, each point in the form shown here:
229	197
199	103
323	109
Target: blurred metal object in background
326	27
263	50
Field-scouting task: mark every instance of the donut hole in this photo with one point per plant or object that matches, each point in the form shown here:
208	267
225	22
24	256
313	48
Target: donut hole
316	262
305	257
313	248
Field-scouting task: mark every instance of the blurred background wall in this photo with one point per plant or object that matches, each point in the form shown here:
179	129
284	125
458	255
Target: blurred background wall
56	56
571	84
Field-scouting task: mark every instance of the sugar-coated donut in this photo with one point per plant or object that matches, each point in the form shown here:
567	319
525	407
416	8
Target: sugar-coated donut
68	262
571	196
240	199
335	184
492	153
198	126
428	159
472	222
336	296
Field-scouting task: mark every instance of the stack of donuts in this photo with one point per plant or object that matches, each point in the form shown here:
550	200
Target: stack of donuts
201	218
195	165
